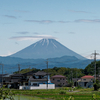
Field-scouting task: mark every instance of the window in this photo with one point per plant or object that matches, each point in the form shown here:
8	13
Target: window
53	79
84	79
58	80
35	84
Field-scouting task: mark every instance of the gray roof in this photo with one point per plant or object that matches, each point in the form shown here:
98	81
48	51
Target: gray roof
3	75
8	75
38	80
17	74
40	73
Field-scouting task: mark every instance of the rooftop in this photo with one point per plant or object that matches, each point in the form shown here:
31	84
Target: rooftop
87	76
58	76
40	73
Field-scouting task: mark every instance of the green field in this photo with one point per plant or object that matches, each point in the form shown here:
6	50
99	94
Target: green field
61	94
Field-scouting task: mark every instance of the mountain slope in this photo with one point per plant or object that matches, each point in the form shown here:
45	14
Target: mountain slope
46	48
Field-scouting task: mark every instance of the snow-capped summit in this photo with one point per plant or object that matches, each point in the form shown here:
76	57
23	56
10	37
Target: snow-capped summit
46	48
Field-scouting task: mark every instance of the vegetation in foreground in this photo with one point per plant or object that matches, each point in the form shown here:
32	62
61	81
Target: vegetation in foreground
63	93
6	94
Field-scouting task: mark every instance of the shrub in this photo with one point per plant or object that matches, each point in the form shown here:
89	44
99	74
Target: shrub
62	92
6	94
70	84
96	85
38	92
71	98
94	97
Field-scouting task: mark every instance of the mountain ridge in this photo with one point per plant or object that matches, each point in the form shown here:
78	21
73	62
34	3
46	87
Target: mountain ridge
11	63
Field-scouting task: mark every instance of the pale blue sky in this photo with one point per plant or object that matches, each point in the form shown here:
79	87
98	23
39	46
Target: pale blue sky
75	24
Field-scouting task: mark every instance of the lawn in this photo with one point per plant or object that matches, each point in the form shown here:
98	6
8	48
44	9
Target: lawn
60	93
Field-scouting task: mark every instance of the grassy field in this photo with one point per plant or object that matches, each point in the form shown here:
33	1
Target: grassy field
61	93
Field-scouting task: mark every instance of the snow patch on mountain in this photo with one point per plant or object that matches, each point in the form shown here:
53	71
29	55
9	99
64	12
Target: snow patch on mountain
43	41
47	42
54	44
35	44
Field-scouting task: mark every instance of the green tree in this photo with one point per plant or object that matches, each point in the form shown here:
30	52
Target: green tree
6	94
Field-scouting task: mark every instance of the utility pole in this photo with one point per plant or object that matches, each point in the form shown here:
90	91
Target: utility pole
2	74
95	63
47	73
71	75
18	68
19	73
76	78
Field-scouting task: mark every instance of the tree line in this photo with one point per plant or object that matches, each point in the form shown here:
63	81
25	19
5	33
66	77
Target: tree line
68	72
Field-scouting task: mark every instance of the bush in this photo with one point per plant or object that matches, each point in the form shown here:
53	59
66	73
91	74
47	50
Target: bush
70	84
79	87
62	92
71	98
38	92
96	85
6	94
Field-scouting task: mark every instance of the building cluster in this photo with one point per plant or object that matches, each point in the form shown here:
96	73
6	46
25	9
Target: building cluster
42	80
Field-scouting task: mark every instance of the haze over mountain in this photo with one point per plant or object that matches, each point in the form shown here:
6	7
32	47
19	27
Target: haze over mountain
46	48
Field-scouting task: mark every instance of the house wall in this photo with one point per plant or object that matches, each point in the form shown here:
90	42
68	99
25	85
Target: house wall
41	86
86	85
59	81
86	80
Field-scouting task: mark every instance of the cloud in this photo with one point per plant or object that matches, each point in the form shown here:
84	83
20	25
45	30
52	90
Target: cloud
8	54
40	21
46	21
21	11
9	16
17	43
74	11
35	33
21	38
56	32
24	32
88	20
63	21
71	32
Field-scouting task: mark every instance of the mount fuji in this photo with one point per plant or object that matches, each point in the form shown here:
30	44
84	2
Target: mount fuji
46	48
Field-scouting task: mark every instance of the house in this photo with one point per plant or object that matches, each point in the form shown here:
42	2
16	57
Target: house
59	80
1	79
75	81
38	80
86	81
12	80
30	80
